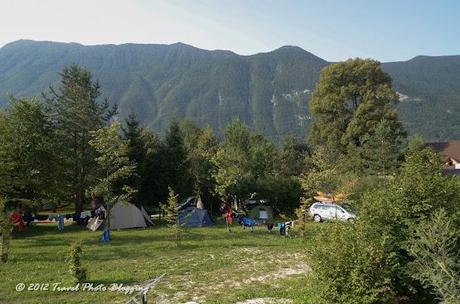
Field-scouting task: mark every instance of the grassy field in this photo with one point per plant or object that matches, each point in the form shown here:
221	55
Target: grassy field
212	266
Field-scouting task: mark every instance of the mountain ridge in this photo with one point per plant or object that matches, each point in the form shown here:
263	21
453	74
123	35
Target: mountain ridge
269	91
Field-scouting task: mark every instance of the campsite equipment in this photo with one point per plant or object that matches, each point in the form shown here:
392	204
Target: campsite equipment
282	228
61	223
94	223
188	202
105	236
195	217
247	222
123	215
330	197
199	203
270	227
260	212
126	215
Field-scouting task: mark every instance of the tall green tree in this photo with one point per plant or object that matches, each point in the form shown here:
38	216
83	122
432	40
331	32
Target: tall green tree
175	162
233	162
114	165
76	110
201	146
243	161
382	150
348	104
151	190
132	133
27	162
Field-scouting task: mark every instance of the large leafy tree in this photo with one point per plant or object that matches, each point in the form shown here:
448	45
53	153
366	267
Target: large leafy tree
76	110
26	160
348	104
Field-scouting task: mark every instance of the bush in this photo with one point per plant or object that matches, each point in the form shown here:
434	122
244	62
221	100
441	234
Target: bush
351	264
74	262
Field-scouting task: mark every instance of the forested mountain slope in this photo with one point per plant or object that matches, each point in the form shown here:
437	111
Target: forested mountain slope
269	91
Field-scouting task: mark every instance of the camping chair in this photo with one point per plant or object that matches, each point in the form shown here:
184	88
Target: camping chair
247	222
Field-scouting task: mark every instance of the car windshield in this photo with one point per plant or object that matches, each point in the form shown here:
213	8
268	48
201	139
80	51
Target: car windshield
347	208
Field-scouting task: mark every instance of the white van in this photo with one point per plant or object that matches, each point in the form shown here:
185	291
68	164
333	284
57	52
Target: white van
328	211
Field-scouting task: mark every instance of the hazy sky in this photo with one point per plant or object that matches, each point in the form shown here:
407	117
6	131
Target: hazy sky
334	30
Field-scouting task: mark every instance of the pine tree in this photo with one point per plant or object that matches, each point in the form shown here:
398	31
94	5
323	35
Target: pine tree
132	133
76	111
175	163
172	216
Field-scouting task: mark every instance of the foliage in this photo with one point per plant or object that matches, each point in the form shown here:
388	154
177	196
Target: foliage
175	162
292	157
26	161
326	174
413	196
351	264
435	248
353	104
114	164
201	146
172	216
242	161
74	261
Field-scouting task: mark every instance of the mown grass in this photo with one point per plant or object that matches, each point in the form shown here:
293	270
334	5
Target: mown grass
211	266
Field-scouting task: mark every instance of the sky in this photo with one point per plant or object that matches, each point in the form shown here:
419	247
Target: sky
386	30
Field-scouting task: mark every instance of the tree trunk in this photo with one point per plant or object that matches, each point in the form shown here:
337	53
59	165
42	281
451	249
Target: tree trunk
6	236
79	200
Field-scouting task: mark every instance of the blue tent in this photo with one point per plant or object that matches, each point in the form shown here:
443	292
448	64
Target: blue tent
194	217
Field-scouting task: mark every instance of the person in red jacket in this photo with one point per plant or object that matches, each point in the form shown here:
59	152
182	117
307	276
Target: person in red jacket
228	214
16	218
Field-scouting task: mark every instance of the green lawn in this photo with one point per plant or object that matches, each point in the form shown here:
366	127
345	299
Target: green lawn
212	266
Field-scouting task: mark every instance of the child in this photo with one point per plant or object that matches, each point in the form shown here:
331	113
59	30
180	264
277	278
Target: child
228	214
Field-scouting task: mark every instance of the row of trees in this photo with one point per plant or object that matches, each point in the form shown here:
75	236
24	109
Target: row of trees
68	147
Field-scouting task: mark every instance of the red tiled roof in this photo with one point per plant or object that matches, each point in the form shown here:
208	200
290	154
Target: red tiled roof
447	150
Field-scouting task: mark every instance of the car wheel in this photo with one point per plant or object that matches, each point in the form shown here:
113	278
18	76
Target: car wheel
317	218
351	220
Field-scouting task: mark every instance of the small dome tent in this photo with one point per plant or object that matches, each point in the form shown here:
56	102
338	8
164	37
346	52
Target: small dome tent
126	215
259	209
195	217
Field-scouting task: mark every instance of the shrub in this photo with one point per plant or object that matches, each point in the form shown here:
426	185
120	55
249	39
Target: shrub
74	262
351	264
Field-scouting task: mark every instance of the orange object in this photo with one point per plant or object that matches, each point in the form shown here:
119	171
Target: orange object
228	216
16	218
330	198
